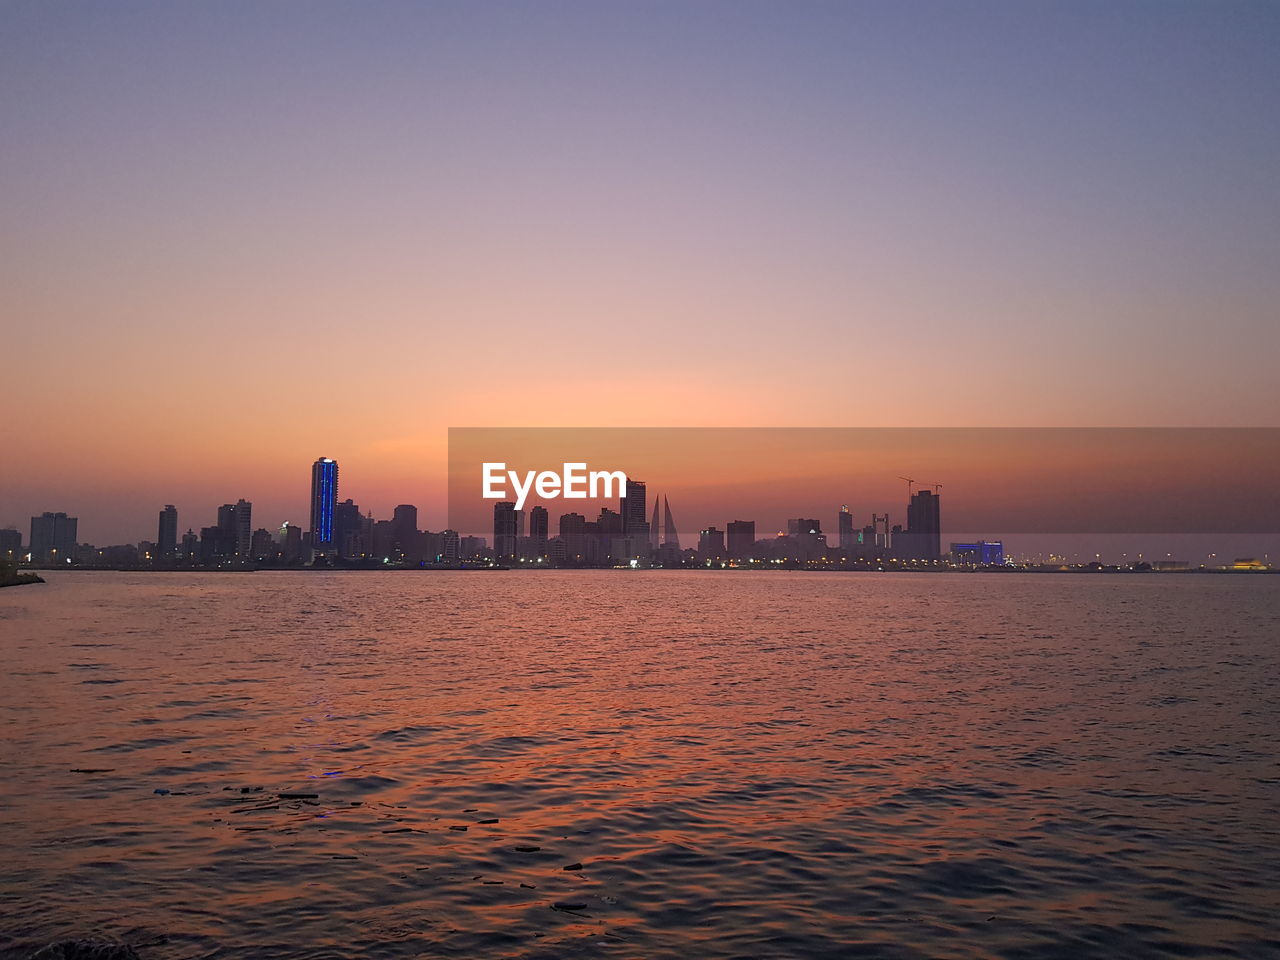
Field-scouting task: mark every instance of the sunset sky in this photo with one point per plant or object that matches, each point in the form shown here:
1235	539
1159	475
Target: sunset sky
238	236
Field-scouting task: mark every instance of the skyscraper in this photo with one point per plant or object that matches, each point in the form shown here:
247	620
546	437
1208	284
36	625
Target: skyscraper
922	539
848	535
538	531
243	514
742	537
234	530
632	507
167	536
324	504
505	532
670	536
53	538
404	533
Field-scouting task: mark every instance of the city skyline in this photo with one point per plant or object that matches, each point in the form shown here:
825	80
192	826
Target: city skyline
343	532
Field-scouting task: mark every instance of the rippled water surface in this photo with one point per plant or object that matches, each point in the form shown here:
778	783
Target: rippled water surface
642	765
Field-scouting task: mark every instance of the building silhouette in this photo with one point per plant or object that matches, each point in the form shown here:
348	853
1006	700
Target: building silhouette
10	544
233	534
635	525
922	539
263	546
506	534
349	528
167	535
670	536
243	513
538	531
573	532
711	544
289	537
324	504
53	538
849	537
450	546
404	533
741	538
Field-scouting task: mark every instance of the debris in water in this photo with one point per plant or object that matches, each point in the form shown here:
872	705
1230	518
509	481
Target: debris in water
573	866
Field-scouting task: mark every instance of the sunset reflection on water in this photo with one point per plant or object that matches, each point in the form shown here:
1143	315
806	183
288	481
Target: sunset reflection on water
742	764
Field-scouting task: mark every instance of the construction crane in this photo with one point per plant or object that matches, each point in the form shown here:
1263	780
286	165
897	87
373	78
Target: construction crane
910	482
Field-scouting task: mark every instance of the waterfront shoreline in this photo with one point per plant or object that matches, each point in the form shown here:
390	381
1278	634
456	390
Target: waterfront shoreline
537	568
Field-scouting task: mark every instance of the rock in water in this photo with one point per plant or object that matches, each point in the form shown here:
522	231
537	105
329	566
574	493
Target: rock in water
85	950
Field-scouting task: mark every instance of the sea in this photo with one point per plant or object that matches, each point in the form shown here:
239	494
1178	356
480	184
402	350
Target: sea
641	764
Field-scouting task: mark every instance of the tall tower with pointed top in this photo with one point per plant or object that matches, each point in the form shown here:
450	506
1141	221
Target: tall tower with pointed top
670	536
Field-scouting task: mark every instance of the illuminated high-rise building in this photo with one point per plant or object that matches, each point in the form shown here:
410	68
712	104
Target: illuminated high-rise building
324	504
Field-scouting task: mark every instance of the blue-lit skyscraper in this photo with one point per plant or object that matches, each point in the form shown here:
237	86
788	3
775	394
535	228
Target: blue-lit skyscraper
324	503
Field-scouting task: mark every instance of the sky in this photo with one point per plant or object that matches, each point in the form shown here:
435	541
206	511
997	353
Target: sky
239	236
